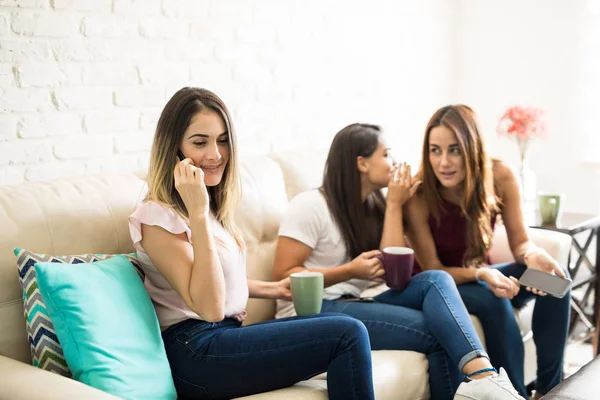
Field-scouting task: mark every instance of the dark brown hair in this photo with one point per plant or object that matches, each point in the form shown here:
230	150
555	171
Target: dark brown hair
479	203
360	223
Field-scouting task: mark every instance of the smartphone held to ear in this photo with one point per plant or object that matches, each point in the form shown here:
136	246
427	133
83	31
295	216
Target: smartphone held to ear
554	285
180	155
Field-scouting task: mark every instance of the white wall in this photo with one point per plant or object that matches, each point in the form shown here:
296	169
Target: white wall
531	51
82	82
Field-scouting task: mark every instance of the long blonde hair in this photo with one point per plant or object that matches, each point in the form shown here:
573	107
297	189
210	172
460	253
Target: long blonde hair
479	203
172	124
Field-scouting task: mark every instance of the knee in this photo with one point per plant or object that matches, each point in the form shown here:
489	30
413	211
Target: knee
440	278
348	328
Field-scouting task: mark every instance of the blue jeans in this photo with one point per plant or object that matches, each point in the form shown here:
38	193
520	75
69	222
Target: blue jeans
224	360
503	336
427	317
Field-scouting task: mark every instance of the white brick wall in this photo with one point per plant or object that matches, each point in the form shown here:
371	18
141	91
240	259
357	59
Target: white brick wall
82	82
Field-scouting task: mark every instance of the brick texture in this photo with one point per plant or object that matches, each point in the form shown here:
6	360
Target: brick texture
83	82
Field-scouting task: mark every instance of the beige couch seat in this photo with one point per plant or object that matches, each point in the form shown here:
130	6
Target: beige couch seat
89	215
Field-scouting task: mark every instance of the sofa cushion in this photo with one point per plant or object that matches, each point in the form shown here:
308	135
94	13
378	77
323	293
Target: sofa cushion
257	216
46	351
302	169
396	375
82	215
108	328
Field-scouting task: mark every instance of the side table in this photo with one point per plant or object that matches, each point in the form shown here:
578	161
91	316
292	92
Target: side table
573	224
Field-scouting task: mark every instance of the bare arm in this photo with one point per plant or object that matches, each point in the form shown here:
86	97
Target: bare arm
194	271
393	228
270	290
523	249
291	255
422	241
400	189
512	215
419	235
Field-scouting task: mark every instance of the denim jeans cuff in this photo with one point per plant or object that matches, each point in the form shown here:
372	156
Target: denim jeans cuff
470	356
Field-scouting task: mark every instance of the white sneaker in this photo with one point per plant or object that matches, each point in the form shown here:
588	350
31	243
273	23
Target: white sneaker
493	387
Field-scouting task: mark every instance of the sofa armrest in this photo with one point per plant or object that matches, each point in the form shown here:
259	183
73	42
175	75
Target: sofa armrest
20	381
557	244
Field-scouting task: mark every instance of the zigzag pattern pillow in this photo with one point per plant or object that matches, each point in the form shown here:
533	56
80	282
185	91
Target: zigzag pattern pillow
46	351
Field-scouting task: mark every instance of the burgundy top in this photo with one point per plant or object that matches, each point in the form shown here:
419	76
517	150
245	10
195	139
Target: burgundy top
449	235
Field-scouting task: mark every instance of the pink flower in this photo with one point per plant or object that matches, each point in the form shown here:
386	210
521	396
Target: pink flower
522	123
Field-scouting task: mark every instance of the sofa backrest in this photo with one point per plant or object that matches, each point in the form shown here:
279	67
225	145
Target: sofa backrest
262	205
82	215
268	183
302	169
89	215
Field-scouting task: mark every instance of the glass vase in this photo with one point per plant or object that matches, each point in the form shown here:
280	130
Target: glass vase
528	187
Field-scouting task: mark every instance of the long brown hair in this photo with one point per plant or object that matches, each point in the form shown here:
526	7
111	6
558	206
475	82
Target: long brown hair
360	223
479	203
172	124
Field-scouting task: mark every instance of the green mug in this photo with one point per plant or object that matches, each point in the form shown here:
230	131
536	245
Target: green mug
550	207
307	292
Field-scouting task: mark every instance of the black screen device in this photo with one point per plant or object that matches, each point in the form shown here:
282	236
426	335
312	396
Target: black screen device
554	285
356	299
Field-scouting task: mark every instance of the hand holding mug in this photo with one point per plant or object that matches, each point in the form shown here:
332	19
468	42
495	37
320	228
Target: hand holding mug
283	289
367	266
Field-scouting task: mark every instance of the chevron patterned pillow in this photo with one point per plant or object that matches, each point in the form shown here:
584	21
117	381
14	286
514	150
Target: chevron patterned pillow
46	351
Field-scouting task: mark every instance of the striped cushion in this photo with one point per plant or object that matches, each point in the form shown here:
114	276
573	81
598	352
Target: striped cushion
46	351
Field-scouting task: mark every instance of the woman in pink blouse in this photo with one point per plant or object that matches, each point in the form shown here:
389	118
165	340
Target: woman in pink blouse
195	265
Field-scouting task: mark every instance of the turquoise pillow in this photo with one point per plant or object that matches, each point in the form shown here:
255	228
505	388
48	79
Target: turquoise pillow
108	328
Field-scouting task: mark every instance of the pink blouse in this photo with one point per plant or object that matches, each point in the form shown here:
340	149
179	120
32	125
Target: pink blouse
170	307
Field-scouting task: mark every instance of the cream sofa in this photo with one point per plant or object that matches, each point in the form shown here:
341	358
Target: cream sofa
88	215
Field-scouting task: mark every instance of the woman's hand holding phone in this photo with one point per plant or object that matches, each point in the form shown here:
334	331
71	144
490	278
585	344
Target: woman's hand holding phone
189	183
539	259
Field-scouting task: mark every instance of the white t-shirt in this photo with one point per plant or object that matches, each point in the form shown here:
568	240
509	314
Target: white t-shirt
309	221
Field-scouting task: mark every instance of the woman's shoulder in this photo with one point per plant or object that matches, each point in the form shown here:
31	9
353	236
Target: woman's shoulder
417	204
504	176
160	214
500	169
152	213
154	208
307	206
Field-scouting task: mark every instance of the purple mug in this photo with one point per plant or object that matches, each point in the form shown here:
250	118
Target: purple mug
398	265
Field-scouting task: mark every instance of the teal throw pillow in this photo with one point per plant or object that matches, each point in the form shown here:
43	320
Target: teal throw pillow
46	350
107	326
